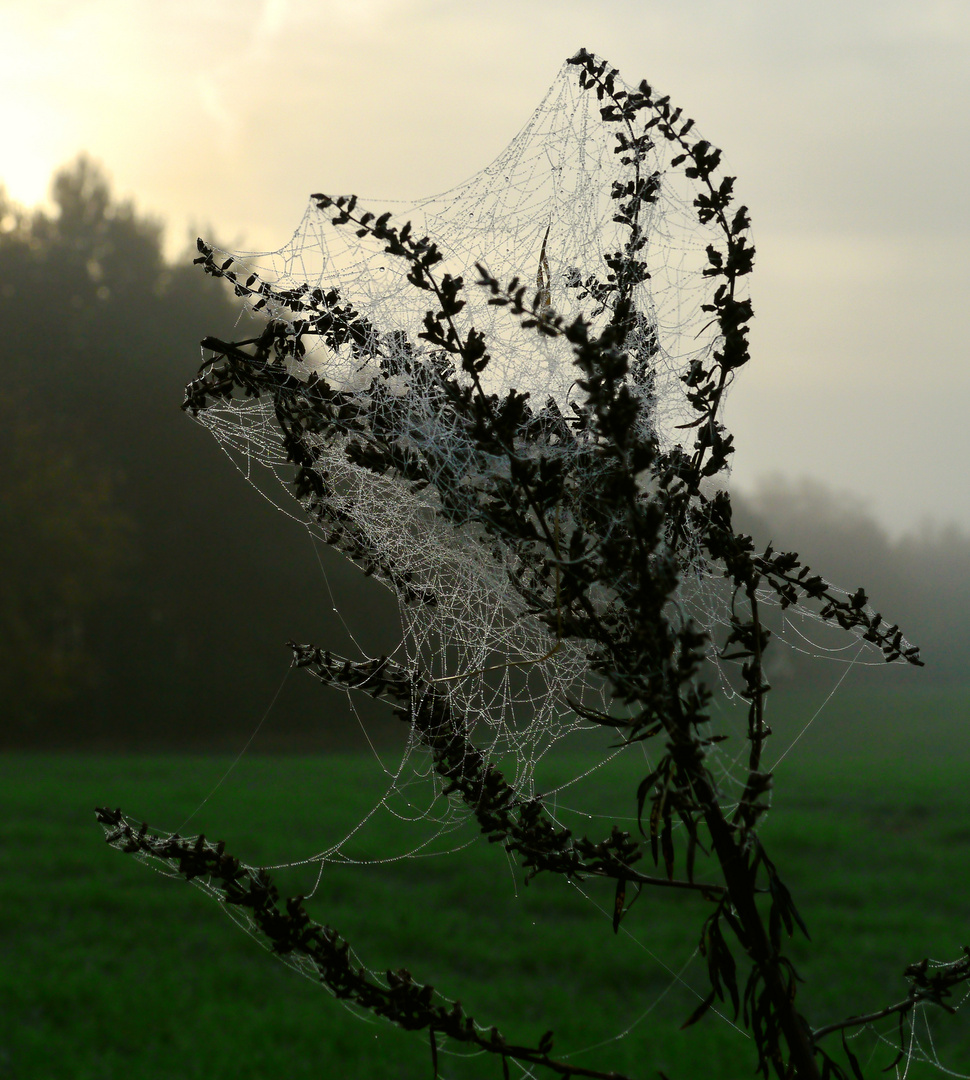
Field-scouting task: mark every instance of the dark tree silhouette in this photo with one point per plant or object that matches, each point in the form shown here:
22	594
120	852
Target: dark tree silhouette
66	545
116	511
598	563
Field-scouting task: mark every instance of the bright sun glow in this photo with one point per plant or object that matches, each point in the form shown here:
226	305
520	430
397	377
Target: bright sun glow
32	150
36	125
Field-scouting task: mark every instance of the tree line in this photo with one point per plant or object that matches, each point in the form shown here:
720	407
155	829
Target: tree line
135	559
921	578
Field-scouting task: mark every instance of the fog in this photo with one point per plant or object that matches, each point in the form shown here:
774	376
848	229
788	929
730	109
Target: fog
846	125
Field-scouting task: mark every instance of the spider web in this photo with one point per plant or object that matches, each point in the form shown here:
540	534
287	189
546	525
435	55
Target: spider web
541	213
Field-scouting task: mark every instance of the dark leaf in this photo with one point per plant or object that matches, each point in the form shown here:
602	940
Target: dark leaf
618	901
699	1011
853	1061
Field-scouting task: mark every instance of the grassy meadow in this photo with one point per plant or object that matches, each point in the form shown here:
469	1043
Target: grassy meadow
110	970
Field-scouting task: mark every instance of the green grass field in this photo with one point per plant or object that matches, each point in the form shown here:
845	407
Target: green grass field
112	971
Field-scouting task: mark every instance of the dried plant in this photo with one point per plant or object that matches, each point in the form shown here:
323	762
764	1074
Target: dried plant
597	521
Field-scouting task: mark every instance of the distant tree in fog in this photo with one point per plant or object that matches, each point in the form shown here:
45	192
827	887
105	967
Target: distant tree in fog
923	576
115	509
65	545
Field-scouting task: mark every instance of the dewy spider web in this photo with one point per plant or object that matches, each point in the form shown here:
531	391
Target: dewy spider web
543	213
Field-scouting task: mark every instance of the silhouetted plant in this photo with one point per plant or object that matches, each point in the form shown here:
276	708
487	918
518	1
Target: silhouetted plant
599	564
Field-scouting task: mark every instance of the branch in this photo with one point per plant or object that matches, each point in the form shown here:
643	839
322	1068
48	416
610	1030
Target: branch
404	1001
503	815
861	1021
706	385
924	988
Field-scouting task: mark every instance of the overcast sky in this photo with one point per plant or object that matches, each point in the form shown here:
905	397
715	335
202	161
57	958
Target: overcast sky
847	125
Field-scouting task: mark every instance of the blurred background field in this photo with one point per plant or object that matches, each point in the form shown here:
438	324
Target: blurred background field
125	973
